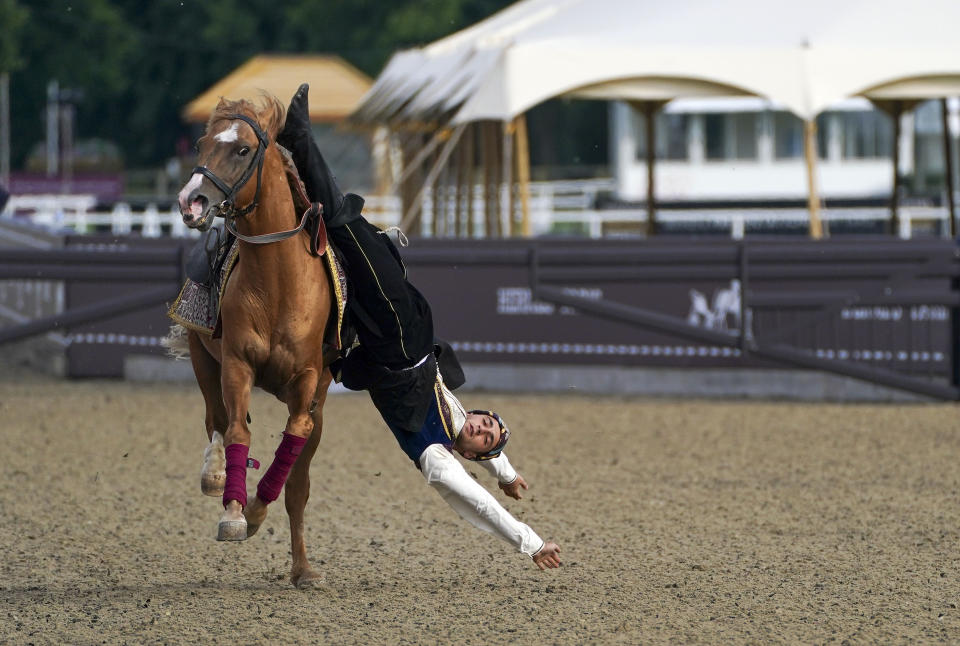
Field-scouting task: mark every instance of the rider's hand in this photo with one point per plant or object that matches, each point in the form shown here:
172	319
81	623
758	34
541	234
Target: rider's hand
512	489
548	556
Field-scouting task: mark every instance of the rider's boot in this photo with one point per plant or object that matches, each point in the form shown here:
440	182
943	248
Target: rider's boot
318	179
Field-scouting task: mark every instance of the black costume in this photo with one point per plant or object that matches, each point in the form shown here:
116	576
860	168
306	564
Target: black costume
397	359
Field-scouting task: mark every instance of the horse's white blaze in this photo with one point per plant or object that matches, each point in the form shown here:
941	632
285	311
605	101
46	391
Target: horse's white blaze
228	135
195	180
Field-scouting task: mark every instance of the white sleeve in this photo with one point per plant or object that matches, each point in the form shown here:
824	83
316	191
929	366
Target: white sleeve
500	468
474	503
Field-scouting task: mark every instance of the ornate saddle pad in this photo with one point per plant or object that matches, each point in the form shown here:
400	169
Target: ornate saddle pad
198	305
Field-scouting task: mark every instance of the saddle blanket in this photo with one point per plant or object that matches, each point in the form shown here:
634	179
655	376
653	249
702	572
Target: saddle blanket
198	305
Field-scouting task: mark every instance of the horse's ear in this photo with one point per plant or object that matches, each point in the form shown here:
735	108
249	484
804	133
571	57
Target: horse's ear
272	116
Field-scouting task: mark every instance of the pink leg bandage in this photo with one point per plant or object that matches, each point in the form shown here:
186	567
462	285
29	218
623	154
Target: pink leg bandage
235	487
273	480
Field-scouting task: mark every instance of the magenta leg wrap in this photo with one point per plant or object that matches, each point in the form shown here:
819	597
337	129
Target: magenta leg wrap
236	486
273	480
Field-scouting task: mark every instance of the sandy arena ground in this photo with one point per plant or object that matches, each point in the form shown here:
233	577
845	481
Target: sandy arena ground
680	522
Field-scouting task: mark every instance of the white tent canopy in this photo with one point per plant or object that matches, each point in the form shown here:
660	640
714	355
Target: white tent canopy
805	56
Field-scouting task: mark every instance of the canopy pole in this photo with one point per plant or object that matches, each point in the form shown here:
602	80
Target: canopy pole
472	228
896	110
414	209
494	129
506	148
523	173
462	175
649	110
413	164
813	197
649	113
948	167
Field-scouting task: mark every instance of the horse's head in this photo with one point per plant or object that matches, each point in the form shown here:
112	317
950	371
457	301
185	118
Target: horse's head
230	153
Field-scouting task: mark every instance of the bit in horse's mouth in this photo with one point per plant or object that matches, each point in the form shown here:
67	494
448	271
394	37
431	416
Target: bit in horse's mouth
197	208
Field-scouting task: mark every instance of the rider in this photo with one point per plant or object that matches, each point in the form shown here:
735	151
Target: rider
407	374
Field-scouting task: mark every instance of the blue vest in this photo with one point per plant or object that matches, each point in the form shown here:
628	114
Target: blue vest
436	429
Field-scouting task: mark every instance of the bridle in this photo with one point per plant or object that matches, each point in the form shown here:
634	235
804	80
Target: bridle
228	207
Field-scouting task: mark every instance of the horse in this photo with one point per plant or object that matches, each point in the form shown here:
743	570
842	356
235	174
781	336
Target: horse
274	312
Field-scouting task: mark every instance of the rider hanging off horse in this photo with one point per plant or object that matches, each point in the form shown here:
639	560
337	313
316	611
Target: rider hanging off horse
408	373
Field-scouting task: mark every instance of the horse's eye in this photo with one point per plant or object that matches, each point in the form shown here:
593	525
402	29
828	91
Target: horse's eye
243	151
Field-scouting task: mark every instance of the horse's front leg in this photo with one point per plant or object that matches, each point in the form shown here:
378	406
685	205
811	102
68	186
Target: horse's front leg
291	465
298	396
207	371
237	380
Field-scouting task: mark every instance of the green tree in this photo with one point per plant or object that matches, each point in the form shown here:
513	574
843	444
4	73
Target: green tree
13	17
138	64
85	46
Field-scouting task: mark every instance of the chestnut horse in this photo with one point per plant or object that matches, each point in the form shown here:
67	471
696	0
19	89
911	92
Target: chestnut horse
274	312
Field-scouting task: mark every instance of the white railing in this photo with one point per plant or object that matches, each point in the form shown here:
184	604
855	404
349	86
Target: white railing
77	214
570	203
737	220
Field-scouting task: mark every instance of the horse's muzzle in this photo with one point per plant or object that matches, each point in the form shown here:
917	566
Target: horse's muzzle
198	213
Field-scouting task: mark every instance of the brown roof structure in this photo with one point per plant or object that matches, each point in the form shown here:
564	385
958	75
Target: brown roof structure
336	87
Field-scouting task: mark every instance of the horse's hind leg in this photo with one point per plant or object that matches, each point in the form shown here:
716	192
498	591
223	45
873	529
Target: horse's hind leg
298	492
206	368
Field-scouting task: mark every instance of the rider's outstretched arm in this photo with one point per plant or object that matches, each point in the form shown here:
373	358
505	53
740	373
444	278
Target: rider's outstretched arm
474	503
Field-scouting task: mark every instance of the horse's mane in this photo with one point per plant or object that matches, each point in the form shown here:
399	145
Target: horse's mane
265	110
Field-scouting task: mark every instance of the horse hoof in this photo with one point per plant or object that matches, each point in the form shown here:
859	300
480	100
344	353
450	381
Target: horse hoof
307	581
211	484
232	530
255	513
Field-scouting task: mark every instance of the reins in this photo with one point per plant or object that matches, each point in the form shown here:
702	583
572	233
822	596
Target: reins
267	238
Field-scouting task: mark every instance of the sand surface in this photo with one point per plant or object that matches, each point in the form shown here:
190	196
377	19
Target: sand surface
680	522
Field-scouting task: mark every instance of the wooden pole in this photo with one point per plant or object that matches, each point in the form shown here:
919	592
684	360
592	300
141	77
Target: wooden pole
489	178
496	142
813	198
506	149
948	167
896	109
459	210
523	174
649	113
436	198
411	213
471	154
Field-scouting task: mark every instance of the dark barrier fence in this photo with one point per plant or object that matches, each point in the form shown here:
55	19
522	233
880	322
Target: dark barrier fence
874	308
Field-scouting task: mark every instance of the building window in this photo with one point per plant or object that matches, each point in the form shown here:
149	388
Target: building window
731	136
866	135
787	135
672	132
671	135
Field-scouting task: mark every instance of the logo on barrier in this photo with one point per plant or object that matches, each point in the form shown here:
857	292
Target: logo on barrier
519	300
722	314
